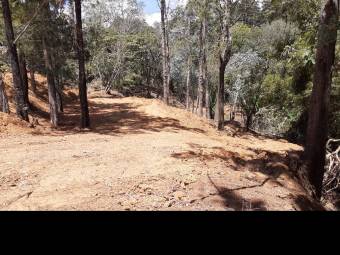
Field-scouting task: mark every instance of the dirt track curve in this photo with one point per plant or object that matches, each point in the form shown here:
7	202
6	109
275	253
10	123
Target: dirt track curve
142	155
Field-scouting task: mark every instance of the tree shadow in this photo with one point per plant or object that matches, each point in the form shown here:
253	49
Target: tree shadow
271	164
37	112
116	119
236	201
303	203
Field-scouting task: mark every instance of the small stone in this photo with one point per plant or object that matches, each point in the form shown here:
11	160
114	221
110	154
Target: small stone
169	204
144	187
179	195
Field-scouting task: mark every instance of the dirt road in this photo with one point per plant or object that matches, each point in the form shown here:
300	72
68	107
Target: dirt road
142	155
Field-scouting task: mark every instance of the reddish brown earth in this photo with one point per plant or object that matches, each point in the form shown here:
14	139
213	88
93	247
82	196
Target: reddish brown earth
141	155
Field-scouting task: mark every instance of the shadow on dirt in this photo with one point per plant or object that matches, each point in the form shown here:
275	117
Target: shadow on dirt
114	119
237	202
273	165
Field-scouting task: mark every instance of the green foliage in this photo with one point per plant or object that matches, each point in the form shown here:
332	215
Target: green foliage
124	58
273	48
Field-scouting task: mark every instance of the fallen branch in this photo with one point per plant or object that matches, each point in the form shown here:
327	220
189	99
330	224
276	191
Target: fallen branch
332	176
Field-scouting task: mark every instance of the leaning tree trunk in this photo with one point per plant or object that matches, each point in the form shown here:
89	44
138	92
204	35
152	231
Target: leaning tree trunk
3	97
165	53
24	77
85	115
51	84
317	132
21	107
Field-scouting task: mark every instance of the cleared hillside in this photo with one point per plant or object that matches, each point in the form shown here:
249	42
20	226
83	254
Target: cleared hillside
141	155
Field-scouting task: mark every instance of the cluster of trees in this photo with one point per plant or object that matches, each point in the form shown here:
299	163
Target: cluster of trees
270	60
124	52
269	47
276	61
41	38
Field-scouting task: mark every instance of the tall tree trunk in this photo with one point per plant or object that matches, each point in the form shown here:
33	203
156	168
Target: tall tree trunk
207	93
225	48
21	107
169	83
188	84
59	94
33	81
189	67
193	99
85	115
317	132
165	53
207	102
51	84
219	111
71	8
60	104
249	121
201	80
3	97
24	77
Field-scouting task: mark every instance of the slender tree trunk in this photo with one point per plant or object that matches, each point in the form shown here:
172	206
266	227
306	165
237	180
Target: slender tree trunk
219	112
51	84
188	84
71	7
208	103
3	97
24	77
201	81
207	93
59	94
85	115
317	133
249	122
21	107
60	104
59	90
169	83
165	53
189	67
33	81
225	45
193	99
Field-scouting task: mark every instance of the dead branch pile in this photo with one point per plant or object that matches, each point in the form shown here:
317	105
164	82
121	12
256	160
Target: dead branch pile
332	176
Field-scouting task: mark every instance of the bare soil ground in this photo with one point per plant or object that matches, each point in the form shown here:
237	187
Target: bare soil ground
142	155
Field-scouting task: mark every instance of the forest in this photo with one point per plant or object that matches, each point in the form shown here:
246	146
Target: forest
213	105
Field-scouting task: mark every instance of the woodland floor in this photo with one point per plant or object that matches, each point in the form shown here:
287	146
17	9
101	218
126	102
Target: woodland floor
143	155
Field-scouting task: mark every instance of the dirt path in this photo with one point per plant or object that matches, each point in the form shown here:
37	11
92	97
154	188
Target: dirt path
142	155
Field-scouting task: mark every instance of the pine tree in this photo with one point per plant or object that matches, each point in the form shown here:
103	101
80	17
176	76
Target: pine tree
21	106
85	116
